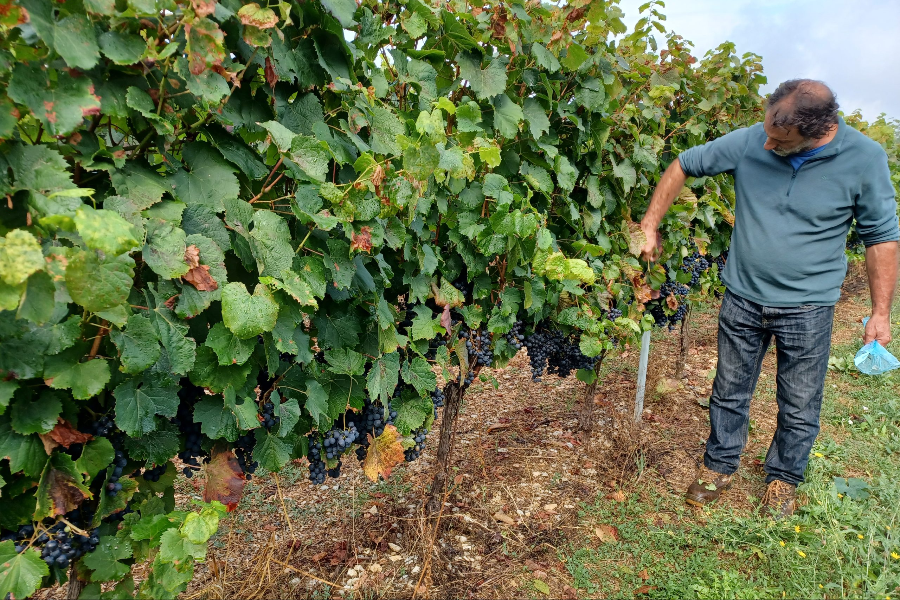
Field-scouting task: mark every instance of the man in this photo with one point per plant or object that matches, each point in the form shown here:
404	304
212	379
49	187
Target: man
801	177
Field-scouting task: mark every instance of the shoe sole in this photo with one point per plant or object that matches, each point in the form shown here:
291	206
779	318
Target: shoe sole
695	501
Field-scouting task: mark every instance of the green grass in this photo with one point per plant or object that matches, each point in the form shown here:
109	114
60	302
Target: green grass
841	543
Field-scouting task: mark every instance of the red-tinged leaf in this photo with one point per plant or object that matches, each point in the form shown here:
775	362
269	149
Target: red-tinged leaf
385	452
65	434
204	8
607	533
224	478
446	320
271	73
198	275
361	241
12	15
205	45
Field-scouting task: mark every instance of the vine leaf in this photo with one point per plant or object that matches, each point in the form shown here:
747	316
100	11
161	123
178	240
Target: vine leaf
99	284
224	478
61	489
271	452
198	275
95	456
137	343
35	415
20	256
139	399
25	452
113	504
384	376
385	452
230	349
85	379
419	375
20	573
105	561
61	105
486	83
245	315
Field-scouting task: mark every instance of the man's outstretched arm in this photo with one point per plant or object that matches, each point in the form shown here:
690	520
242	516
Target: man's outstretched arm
664	195
881	267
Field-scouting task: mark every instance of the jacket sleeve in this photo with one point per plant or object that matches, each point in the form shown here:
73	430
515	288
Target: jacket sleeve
875	207
718	156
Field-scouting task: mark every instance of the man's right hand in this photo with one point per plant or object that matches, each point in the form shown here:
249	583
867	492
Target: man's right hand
653	248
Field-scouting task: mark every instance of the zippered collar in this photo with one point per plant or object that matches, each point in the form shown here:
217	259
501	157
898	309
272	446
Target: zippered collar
832	148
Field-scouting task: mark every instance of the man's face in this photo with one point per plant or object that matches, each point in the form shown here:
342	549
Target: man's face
784	141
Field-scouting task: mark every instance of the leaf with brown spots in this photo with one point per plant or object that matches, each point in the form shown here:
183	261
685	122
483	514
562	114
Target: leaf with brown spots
385	452
361	241
198	275
65	434
642	292
224	478
672	302
204	8
61	489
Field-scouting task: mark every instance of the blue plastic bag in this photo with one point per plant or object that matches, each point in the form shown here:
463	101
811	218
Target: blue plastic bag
874	359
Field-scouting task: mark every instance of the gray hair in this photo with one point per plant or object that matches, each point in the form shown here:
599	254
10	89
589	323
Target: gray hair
806	104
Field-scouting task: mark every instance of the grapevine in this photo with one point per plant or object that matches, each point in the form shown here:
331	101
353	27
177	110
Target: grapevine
234	237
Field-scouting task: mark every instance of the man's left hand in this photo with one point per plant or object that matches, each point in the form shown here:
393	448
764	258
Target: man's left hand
878	328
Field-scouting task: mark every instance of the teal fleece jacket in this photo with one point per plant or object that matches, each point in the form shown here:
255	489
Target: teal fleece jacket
790	227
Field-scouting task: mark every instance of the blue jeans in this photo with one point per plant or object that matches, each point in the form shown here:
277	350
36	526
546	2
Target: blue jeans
803	343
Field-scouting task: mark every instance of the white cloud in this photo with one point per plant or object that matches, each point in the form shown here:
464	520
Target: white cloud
852	46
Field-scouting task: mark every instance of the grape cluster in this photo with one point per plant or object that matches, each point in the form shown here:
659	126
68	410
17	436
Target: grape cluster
613	314
673	288
102	427
695	265
551	350
373	418
479	347
155	473
433	346
720	261
516	336
419	437
267	417
316	464
113	487
464	287
438	398
243	451
59	544
337	441
65	547
193	438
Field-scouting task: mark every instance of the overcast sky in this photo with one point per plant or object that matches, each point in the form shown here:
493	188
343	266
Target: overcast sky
853	46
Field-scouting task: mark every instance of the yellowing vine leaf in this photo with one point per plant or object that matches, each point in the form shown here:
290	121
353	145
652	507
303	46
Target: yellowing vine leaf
385	452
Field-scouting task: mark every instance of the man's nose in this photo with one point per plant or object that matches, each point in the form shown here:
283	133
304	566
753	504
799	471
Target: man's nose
769	145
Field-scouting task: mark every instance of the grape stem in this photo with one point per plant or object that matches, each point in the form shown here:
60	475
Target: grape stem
75	528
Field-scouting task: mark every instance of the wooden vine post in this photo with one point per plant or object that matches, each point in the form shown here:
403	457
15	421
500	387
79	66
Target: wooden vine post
685	344
586	414
453	394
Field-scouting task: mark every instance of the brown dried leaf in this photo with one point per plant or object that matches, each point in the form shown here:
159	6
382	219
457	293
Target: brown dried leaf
607	533
672	302
198	275
361	241
64	491
377	175
446	319
224	478
66	435
644	589
271	74
504	518
385	452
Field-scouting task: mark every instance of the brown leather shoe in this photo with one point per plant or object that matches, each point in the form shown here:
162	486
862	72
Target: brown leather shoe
707	487
780	498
